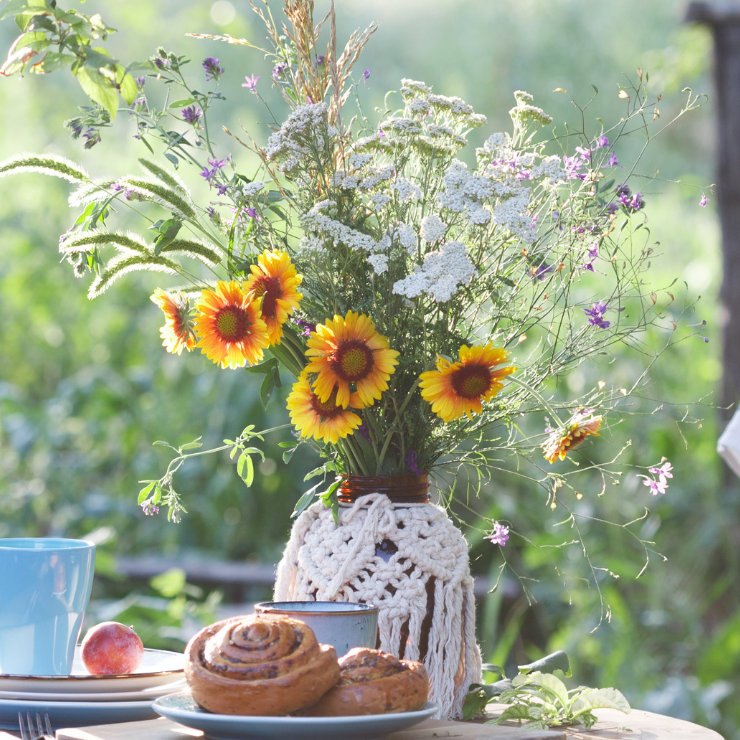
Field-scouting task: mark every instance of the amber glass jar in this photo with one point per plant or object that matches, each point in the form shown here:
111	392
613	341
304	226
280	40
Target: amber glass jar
400	489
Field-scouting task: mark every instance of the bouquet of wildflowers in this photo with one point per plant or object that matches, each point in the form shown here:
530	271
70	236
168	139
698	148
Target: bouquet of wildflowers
422	306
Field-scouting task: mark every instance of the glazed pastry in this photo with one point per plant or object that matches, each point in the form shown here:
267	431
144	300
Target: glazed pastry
374	682
258	666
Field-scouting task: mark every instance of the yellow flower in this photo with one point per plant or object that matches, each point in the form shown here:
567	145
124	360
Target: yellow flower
177	331
230	329
457	388
274	279
319	419
561	441
348	351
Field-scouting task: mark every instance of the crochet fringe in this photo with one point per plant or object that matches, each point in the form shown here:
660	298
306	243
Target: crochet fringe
324	561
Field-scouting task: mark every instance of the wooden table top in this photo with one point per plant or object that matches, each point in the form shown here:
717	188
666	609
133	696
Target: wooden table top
612	725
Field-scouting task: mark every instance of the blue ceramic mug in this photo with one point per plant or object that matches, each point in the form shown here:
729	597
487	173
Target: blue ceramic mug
44	589
341	624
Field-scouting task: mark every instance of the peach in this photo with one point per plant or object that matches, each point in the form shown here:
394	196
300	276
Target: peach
111	648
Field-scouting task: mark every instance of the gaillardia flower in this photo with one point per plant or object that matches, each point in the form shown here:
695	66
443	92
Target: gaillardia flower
274	279
177	331
229	326
457	388
323	420
561	441
349	352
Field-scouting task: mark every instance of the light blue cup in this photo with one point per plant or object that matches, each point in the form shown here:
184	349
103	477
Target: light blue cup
343	625
44	589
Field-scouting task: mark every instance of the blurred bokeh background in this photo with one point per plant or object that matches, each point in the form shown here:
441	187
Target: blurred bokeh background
85	387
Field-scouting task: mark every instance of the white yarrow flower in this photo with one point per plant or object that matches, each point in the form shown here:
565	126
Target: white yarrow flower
432	228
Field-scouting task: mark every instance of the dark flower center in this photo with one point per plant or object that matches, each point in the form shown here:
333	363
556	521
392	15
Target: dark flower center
232	324
326	409
353	360
471	381
269	289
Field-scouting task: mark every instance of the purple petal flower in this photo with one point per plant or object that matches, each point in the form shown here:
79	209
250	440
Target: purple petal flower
541	271
140	82
250	212
192	114
161	63
149	509
601	141
251	83
362	429
703	201
222	189
596	315
366	74
93	137
278	69
320	60
212	68
307	326
612	161
499	535
592	256
585	153
572	167
412	463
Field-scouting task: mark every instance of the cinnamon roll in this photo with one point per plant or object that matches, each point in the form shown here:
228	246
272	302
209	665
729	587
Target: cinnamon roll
258	666
374	682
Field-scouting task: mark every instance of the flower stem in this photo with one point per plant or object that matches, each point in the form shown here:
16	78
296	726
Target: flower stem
539	397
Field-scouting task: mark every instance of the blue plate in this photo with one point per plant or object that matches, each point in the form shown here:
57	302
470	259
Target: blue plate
75	713
182	709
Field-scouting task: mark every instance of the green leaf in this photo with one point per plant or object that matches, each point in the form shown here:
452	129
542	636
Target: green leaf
491	668
517	711
600	699
548	682
127	88
553	662
305	501
194	445
144	493
157	497
183	103
288	454
170	583
265	367
99	89
13	7
245	468
316	471
266	389
475	703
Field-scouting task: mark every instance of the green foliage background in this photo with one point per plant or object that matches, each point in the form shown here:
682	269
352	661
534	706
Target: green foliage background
85	387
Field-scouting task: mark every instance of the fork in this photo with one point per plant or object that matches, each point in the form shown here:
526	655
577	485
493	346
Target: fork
35	733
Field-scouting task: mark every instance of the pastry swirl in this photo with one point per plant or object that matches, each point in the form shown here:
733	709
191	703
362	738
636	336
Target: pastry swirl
258	666
374	682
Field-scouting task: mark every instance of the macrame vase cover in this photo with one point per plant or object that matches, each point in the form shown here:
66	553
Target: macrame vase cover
411	562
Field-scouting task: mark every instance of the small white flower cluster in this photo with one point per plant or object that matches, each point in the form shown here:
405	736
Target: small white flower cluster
550	168
440	275
511	213
346	181
412	87
406	237
524	113
376	175
379	263
419	105
309	247
252	188
319	223
358	161
372	142
381	200
289	143
407	190
467	193
402	125
454	105
432	228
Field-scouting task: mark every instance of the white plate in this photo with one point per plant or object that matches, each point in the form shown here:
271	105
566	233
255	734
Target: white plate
182	709
151	694
75	713
158	667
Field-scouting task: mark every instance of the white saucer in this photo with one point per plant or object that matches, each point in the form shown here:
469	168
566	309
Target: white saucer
182	709
83	696
158	667
76	713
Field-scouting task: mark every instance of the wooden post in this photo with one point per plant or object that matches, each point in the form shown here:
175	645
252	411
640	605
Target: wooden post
723	17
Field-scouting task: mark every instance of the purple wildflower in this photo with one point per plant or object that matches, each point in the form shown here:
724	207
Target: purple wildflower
93	137
140	82
412	463
192	114
251	83
320	60
585	153
612	208
212	68
591	257
541	271
703	201
307	326
656	486
366	74
213	215
613	161
251	213
161	63
364	432
664	471
499	535
149	509
637	202
573	165
278	69
222	189
600	142
596	315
